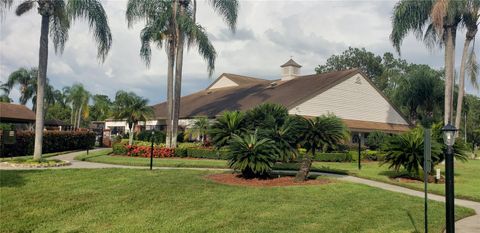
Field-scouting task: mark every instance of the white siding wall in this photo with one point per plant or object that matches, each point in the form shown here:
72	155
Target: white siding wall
353	99
224	82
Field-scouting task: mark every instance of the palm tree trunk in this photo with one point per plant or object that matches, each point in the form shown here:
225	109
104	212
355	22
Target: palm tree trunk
130	135
302	174
79	116
178	80
171	65
41	79
449	71
461	82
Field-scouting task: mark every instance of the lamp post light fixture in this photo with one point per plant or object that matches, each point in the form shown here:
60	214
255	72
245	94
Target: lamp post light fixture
449	132
358	138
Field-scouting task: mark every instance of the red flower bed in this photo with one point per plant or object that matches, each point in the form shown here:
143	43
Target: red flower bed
144	151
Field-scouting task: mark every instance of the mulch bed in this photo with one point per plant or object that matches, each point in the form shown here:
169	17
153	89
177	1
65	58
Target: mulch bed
235	179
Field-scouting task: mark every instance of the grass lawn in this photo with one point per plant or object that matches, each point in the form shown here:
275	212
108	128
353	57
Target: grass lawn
130	200
47	155
467	177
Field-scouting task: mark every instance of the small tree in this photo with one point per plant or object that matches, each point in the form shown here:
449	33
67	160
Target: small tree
253	156
131	108
199	129
320	132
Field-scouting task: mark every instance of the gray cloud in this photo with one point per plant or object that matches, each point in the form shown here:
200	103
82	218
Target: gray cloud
269	32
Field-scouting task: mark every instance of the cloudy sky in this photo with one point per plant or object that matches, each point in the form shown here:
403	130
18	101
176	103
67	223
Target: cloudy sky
268	33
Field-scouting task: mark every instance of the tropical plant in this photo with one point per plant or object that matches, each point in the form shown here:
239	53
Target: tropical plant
441	19
421	92
78	98
251	155
101	108
407	151
4	98
376	139
56	16
131	108
469	58
199	129
266	116
320	133
225	126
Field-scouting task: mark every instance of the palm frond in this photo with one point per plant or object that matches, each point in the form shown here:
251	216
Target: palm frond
472	66
228	9
59	25
93	11
198	36
4	6
24	7
409	16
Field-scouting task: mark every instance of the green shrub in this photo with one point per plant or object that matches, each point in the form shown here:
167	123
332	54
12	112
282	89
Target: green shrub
158	136
119	149
376	139
330	157
53	141
181	152
207	153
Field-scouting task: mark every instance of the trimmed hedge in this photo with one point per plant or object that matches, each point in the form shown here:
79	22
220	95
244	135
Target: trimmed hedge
53	141
207	153
329	157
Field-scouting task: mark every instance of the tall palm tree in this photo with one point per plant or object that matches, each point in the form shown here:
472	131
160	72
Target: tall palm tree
172	23
158	29
437	18
320	132
78	98
185	24
56	16
468	62
132	108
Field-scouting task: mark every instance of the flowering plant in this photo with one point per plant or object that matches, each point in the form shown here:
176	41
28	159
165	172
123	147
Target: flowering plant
144	151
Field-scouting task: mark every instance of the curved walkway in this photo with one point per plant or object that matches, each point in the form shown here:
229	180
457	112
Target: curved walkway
467	225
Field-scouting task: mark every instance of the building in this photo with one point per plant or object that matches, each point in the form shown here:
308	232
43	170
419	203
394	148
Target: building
349	94
17	115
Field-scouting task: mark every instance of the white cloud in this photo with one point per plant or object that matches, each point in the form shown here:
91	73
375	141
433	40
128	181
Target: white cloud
268	33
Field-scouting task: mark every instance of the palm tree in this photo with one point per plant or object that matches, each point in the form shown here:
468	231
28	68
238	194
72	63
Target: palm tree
26	79
468	62
4	98
56	16
187	28
319	133
227	125
442	18
159	29
252	155
199	129
78	97
132	108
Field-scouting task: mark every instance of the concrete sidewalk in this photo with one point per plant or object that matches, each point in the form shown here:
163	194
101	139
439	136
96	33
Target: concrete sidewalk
467	225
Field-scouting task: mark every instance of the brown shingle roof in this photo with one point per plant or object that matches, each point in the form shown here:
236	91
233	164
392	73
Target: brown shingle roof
369	126
211	103
16	112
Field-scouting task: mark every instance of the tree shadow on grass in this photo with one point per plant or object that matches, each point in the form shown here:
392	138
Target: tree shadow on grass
12	178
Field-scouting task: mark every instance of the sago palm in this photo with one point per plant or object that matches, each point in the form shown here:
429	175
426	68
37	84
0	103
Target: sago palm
131	108
407	151
253	156
225	126
56	16
319	133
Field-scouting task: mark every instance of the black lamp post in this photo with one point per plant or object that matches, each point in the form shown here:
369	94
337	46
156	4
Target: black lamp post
151	151
358	138
449	139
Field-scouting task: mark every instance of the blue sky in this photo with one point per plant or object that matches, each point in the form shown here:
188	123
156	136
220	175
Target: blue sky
268	33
